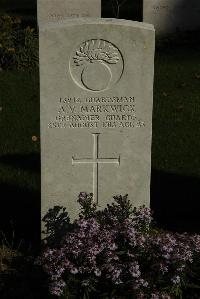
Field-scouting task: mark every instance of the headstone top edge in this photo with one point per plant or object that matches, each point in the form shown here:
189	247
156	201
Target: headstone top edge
96	21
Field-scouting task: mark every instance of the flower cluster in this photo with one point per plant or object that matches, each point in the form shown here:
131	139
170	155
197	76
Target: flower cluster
116	251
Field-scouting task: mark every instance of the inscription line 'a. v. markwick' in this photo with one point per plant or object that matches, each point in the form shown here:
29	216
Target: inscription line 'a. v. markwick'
95	161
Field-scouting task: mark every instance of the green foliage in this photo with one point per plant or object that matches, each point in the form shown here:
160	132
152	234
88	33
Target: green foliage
88	207
26	42
56	223
18	45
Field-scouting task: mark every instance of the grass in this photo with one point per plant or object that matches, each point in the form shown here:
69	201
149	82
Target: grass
6	257
19	155
19	279
176	123
19	104
175	175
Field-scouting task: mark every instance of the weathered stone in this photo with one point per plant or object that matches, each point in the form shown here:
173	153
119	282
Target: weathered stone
169	16
56	10
96	80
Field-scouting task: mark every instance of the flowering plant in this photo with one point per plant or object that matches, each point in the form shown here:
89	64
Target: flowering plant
117	253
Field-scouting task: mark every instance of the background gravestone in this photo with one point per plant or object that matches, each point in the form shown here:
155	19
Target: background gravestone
55	10
172	15
96	80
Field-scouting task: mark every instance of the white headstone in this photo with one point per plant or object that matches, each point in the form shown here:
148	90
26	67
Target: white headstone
168	16
57	10
96	80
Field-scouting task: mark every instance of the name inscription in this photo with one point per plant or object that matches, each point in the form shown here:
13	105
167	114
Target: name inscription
96	112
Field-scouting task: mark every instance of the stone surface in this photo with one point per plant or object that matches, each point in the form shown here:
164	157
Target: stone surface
96	80
168	16
56	10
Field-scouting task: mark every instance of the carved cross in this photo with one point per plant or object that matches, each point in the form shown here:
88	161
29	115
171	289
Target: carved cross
95	161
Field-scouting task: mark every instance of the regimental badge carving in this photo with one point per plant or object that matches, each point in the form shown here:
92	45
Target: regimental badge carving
96	65
96	50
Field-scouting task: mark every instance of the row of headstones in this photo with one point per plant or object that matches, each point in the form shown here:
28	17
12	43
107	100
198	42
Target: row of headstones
166	15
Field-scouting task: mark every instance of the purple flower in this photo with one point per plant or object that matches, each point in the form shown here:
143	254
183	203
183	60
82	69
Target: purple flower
97	272
82	196
134	270
176	279
56	287
117	249
74	270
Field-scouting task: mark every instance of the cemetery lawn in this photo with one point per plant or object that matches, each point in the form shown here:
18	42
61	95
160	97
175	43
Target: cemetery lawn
176	122
20	158
19	138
